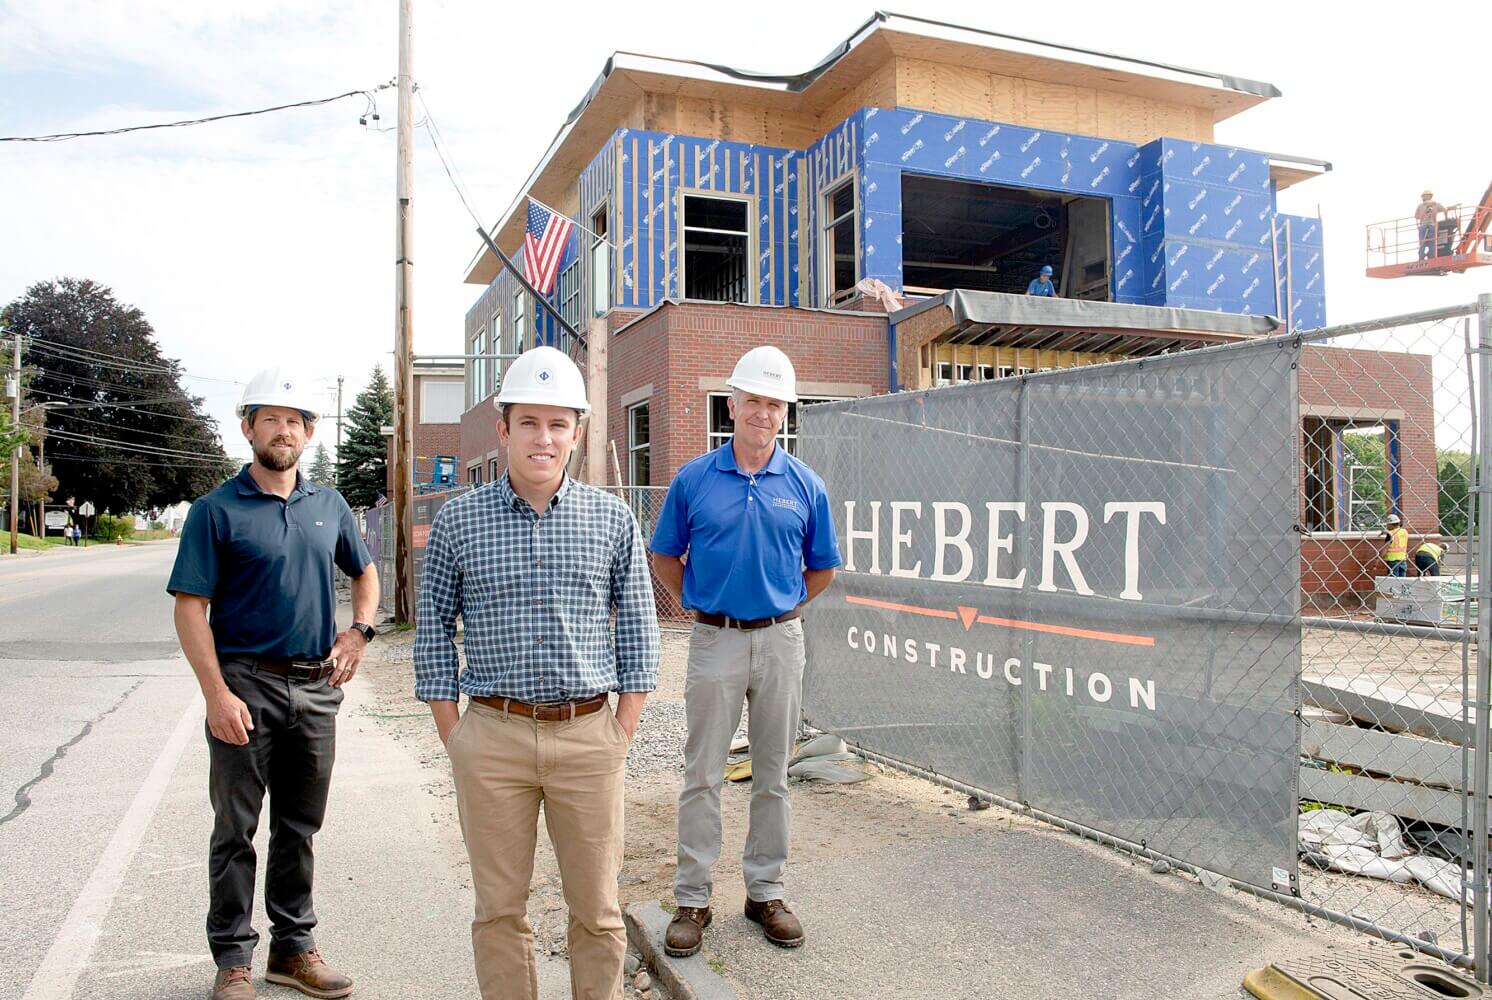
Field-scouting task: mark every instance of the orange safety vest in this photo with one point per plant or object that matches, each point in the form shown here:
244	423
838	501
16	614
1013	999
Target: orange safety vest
1398	545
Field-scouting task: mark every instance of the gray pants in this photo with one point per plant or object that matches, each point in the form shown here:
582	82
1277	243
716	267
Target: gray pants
727	666
289	753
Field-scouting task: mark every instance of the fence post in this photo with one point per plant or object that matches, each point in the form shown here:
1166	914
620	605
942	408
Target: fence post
1481	746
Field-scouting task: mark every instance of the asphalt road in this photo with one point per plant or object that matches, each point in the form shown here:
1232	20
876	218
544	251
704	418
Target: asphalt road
104	820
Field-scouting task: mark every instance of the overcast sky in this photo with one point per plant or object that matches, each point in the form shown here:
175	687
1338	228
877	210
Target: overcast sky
270	239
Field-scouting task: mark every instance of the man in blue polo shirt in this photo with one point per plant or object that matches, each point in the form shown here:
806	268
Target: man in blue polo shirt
755	524
1042	284
258	552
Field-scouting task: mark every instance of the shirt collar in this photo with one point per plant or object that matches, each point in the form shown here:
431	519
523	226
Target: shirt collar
247	487
512	500
725	459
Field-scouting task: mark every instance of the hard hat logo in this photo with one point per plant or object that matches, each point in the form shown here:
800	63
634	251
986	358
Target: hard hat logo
543	375
272	387
766	371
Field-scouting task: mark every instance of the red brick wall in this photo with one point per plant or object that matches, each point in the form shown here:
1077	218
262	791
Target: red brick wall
1344	382
678	344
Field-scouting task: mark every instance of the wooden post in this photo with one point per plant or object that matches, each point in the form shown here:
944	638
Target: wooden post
596	393
404	596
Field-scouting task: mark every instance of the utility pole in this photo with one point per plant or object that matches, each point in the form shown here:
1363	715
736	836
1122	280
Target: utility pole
15	455
339	421
404	329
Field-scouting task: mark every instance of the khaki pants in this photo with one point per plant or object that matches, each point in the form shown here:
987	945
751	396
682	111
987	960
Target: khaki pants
764	668
504	767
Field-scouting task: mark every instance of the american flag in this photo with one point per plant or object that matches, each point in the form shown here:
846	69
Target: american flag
544	245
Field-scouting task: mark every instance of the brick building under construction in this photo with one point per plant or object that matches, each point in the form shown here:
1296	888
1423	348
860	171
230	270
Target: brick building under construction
879	216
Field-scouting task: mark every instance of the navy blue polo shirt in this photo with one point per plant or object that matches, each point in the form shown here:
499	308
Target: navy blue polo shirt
266	564
749	537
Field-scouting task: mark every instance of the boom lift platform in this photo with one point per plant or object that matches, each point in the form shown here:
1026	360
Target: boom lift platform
1460	241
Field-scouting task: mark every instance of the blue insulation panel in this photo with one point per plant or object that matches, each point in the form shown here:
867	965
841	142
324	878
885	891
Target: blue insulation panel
1299	247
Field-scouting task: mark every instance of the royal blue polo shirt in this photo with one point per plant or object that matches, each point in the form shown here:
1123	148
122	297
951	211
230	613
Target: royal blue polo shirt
265	562
749	537
1039	287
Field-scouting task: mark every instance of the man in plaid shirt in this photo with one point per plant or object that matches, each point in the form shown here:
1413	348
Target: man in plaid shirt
535	564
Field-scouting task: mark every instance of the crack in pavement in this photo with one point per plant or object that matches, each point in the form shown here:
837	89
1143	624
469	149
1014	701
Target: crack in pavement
23	797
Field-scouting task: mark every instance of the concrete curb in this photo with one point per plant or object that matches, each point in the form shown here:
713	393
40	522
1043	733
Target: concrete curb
685	978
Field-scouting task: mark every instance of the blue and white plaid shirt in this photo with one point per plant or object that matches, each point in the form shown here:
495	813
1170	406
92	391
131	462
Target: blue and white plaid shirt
535	596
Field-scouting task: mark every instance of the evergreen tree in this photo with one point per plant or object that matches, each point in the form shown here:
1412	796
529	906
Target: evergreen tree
362	467
321	470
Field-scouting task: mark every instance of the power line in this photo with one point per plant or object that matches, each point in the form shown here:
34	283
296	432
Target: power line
100	423
75	403
63	136
63	354
146	449
55	348
133	460
437	140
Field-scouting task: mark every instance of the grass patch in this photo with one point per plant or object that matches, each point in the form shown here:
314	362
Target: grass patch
26	541
717	966
669	905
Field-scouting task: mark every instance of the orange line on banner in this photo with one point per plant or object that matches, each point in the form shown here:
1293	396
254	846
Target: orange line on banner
968	617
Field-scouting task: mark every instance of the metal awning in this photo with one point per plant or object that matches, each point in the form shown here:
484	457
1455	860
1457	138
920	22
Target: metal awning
998	319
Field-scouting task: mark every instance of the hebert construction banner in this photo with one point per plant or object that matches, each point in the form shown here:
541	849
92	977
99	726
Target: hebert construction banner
1078	590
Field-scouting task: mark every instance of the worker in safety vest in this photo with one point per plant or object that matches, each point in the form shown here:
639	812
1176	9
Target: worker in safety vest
1427	558
1427	217
1397	552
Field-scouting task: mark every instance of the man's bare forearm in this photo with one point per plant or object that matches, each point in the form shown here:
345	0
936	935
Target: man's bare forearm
817	581
446	715
365	595
195	634
670	573
629	710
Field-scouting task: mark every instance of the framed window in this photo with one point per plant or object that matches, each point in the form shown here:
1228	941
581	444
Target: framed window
841	256
474	475
494	472
495	346
718	264
600	263
963	373
1006	371
569	293
721	427
638	439
986	372
474	371
520	322
440	401
944	373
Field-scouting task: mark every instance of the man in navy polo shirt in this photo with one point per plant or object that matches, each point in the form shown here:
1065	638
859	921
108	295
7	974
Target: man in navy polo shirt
258	552
755	524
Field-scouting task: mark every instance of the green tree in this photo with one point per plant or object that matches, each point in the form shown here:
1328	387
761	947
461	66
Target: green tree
321	470
128	436
1366	459
1455	491
362	466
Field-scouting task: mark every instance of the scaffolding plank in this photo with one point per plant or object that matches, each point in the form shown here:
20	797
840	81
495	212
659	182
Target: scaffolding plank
1389	708
1409	758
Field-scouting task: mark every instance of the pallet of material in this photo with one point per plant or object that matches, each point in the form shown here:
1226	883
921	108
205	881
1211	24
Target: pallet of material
1422	588
1388	708
1407	611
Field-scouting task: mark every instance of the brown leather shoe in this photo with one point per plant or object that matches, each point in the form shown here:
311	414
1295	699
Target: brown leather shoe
686	931
781	927
309	973
233	984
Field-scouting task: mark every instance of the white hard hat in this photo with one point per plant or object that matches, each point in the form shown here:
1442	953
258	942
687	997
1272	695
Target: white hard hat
1393	519
766	371
543	375
280	387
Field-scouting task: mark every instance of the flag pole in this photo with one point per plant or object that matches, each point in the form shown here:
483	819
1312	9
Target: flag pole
522	280
573	222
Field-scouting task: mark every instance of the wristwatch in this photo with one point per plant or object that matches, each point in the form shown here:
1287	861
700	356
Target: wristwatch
368	632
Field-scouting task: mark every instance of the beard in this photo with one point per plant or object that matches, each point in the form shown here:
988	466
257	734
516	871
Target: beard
277	461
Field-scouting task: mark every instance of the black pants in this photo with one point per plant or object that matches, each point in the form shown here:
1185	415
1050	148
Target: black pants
290	754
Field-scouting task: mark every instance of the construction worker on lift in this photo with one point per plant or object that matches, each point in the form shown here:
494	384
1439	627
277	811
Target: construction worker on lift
535	564
1427	216
1427	558
1396	554
259	551
1042	284
756	526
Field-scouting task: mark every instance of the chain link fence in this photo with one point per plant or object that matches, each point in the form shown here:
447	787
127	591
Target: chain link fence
646	503
1150	602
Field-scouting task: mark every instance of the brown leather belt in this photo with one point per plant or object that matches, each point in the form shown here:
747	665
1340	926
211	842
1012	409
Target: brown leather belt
296	670
725	621
560	711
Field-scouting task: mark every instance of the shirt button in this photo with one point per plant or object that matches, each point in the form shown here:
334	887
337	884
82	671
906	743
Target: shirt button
540	640
538	602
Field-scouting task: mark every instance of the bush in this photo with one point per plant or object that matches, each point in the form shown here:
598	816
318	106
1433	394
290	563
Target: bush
106	527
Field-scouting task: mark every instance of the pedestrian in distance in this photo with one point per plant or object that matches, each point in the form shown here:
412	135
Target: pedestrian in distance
1396	553
259	552
755	525
535	564
1042	284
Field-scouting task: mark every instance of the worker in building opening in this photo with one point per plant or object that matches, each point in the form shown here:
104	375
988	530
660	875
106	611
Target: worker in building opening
1427	216
535	564
1427	558
1396	555
1042	284
756	526
258	553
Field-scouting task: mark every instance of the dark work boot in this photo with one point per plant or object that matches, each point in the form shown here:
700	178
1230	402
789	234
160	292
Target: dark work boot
309	973
686	931
778	923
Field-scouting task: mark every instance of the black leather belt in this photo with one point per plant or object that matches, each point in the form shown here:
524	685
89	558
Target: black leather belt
296	670
725	621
